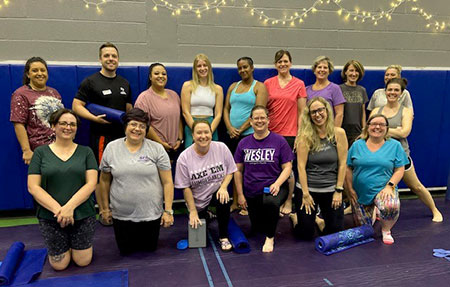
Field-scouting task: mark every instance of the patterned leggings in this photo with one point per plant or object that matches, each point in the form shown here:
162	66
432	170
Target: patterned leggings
389	209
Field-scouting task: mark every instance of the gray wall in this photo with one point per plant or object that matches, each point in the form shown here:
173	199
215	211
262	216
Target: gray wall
64	30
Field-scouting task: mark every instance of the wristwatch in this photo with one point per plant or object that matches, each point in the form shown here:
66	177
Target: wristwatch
339	189
169	212
391	184
181	141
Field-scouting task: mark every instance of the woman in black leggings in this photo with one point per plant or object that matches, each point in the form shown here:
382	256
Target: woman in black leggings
321	155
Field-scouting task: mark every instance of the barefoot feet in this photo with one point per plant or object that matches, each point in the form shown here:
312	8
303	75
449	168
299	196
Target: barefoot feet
437	216
268	245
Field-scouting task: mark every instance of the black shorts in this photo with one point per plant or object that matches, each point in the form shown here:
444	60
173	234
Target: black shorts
59	240
409	164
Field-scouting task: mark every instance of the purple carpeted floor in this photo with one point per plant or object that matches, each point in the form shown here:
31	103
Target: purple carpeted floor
409	262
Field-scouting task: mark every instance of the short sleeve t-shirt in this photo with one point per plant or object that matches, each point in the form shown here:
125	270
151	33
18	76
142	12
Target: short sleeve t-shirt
62	179
356	98
136	192
373	170
164	114
262	160
114	93
33	109
332	93
204	174
282	105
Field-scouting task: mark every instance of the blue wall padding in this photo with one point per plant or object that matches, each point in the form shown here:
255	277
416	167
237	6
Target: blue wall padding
21	267
13	193
343	240
442	169
429	138
100	279
237	238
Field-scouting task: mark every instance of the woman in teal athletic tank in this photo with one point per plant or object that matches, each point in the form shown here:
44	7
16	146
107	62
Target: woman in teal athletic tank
241	97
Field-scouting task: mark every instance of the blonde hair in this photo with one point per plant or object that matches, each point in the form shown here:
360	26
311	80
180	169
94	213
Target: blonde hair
398	68
308	131
320	59
365	132
195	82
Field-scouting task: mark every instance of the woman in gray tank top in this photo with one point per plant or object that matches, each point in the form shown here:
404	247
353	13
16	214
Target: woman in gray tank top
321	155
400	125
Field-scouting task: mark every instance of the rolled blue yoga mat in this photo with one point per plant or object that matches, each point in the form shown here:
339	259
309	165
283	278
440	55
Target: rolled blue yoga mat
20	266
112	115
343	240
237	238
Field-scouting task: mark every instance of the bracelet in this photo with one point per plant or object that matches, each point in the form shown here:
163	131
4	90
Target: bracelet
181	141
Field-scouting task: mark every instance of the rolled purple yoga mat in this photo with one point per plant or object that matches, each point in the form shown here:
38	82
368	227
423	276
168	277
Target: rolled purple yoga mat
345	239
112	115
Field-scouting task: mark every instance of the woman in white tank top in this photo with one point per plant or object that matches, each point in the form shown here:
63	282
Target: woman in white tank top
201	98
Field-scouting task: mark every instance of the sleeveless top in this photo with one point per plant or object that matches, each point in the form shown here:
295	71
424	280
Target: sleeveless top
396	121
322	167
241	106
203	100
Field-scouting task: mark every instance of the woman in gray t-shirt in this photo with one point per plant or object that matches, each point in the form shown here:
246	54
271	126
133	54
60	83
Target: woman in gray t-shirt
135	179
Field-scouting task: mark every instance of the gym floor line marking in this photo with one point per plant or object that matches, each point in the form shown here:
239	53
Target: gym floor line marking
205	266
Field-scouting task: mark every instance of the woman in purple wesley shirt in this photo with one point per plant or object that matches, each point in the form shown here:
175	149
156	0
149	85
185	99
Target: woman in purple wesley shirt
263	162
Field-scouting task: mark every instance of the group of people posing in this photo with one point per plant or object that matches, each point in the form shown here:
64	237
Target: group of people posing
290	149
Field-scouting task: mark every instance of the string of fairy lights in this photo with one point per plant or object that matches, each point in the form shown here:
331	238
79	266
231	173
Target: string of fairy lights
291	17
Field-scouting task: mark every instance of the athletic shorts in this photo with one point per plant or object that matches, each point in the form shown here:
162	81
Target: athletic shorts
409	164
59	240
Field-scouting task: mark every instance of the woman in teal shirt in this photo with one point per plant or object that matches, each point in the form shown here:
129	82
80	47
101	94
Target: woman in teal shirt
375	165
241	97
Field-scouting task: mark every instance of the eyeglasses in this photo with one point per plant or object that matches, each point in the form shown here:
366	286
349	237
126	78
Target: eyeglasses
259	119
382	125
135	125
318	111
66	124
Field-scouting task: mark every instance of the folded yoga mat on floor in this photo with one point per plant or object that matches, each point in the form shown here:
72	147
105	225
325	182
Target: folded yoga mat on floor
20	266
101	279
344	240
237	238
112	115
